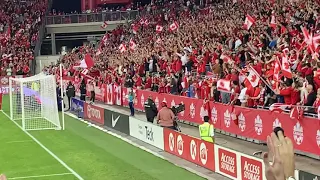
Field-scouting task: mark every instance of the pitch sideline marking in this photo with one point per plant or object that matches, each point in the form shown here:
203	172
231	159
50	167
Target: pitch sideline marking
48	151
141	147
10	142
40	176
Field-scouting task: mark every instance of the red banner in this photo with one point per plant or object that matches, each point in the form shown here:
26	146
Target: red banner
113	1
252	123
94	113
189	148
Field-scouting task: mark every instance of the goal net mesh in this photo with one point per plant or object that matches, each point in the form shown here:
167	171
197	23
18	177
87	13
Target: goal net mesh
33	102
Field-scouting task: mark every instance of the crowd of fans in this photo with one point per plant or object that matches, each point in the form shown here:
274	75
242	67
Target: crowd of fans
19	29
190	59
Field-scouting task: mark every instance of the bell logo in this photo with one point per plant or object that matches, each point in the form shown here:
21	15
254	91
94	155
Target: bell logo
180	145
298	133
182	112
171	142
227	118
192	111
276	123
318	138
142	100
258	127
203	153
193	150
173	103
156	101
214	115
242	122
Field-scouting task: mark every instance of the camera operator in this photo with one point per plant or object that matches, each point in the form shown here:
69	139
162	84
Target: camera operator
150	109
166	117
83	90
71	92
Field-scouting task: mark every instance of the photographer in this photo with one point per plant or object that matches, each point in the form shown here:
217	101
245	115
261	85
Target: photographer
166	117
150	109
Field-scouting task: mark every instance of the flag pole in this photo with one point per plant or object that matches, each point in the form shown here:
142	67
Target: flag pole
62	103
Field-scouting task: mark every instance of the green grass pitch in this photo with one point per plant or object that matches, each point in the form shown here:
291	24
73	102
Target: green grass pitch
93	154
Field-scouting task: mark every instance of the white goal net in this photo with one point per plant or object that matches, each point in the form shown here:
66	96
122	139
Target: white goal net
33	102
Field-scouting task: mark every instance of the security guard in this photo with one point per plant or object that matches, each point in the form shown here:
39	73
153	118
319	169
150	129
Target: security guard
206	130
150	109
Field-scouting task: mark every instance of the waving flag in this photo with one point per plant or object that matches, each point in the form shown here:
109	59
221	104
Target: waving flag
224	85
174	26
86	63
249	21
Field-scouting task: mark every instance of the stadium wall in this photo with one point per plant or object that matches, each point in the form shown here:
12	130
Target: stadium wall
232	164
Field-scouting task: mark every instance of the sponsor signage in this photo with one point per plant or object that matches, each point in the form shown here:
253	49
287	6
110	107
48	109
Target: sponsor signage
146	132
308	176
94	113
77	107
227	162
251	168
189	148
116	121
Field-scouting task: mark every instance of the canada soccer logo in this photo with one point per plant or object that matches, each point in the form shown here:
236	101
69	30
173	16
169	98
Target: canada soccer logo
193	149
318	138
227	118
4	81
171	142
298	133
242	122
203	153
214	115
192	111
180	145
276	123
156	101
258	127
142	100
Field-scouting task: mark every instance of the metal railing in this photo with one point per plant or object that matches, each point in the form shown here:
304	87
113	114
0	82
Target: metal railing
92	17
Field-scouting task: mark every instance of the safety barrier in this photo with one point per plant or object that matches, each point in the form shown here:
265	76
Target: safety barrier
221	160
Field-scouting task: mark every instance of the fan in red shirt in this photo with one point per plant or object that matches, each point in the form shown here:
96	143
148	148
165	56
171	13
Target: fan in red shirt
204	90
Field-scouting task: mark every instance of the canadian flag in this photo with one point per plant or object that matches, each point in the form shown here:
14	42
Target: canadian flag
224	85
122	48
146	22
104	39
273	22
174	26
159	28
249	21
99	51
104	25
278	107
132	44
85	71
135	28
296	113
86	63
253	78
109	94
311	40
276	70
285	66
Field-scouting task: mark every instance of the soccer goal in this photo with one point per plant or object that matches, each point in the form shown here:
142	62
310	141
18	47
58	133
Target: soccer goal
33	102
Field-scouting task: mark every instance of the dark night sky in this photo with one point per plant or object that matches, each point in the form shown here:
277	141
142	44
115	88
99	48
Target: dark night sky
67	5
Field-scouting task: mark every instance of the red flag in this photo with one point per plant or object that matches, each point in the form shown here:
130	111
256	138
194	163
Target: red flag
174	26
296	113
249	21
278	107
224	85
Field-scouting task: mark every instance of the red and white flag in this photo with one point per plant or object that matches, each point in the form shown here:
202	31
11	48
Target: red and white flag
174	26
122	48
104	39
86	63
278	107
226	58
253	78
285	66
135	28
132	45
273	22
249	21
146	22
224	85
159	28
104	25
296	113
276	70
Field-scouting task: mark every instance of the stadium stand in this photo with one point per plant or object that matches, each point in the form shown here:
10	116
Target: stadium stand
19	30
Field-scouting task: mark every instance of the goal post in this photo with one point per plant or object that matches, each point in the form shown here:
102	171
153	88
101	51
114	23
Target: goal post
33	102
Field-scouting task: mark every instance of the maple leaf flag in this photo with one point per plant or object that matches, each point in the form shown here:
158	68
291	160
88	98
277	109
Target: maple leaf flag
296	113
159	28
249	21
135	28
285	66
104	39
273	22
132	44
276	70
86	63
174	26
224	85
104	25
122	48
278	107
253	78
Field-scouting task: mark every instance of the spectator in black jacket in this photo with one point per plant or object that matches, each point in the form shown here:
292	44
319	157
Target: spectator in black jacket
312	96
150	109
83	90
71	92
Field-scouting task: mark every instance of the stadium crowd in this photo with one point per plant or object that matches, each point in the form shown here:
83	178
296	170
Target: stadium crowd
186	50
19	28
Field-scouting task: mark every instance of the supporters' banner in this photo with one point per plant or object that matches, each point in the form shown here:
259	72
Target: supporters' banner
4	84
254	124
77	107
189	148
94	113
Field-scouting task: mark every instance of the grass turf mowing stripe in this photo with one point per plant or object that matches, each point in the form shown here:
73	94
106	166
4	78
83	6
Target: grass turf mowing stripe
48	151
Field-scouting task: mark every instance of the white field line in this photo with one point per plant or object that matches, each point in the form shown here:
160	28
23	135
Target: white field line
40	176
139	146
10	142
50	152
